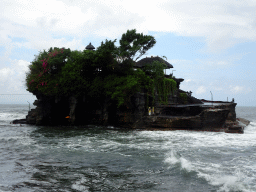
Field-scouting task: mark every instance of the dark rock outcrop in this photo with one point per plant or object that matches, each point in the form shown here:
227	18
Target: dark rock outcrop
19	121
194	115
214	118
207	119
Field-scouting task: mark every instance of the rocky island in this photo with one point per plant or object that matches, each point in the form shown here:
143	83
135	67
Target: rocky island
108	86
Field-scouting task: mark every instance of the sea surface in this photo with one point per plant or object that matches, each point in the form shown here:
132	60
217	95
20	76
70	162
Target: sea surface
92	158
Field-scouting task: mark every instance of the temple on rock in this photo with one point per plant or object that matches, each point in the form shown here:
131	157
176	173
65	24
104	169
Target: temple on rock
108	86
181	111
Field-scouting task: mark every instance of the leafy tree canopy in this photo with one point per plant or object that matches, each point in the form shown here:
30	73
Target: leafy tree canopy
106	72
133	45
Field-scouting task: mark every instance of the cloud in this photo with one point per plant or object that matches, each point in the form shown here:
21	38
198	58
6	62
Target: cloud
187	80
197	86
201	90
5	74
236	89
216	63
220	88
12	79
223	24
71	18
239	89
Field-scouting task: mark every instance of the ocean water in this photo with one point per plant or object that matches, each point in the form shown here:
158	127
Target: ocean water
91	158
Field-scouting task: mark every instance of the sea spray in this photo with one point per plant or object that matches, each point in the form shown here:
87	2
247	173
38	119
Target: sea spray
174	158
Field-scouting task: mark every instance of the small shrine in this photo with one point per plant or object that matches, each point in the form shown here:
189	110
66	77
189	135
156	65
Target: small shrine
90	47
150	60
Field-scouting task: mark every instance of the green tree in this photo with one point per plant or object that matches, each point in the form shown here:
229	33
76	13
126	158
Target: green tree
95	74
133	45
106	57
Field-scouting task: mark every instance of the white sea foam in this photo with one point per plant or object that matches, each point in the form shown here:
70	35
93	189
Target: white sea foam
225	175
185	164
79	185
229	182
253	123
204	152
174	158
11	116
212	173
5	188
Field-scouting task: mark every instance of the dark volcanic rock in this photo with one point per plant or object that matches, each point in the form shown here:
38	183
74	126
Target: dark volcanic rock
76	110
19	121
214	118
31	117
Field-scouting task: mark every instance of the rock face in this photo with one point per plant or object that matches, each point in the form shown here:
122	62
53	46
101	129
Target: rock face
31	117
48	111
214	118
231	106
77	111
19	121
208	118
72	111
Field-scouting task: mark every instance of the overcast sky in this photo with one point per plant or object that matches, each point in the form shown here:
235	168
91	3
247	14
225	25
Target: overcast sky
211	44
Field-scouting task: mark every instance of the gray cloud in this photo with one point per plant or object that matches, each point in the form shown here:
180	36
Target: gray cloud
223	24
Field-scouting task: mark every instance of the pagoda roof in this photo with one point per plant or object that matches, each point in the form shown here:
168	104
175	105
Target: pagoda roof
149	60
90	47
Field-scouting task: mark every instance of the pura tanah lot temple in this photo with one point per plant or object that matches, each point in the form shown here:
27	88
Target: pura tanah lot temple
177	113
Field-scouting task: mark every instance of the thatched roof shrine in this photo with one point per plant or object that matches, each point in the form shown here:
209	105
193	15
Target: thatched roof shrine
90	47
150	60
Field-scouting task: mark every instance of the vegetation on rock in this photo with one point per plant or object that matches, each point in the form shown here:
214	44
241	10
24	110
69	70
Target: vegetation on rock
184	97
164	87
106	72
